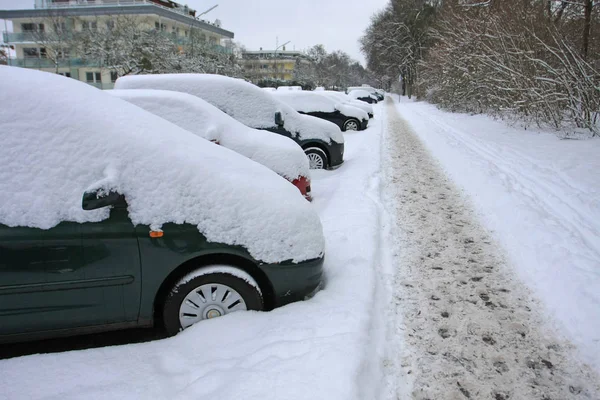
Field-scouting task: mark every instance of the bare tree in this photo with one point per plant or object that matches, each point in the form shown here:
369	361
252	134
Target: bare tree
54	37
523	58
3	57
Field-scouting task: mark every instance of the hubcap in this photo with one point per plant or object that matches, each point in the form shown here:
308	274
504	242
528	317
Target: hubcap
315	161
351	126
209	301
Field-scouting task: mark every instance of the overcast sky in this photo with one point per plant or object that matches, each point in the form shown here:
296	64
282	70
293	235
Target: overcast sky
337	24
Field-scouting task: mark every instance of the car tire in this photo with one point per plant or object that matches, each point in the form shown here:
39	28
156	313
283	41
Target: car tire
351	124
316	157
207	293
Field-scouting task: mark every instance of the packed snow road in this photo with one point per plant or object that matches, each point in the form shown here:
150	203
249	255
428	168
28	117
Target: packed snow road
461	325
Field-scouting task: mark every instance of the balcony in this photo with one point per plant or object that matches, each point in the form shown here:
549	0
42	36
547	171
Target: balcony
22	37
45	63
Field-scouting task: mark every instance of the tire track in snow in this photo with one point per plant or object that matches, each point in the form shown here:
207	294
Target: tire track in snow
461	326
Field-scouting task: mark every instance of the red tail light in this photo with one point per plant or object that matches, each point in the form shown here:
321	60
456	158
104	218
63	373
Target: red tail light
303	184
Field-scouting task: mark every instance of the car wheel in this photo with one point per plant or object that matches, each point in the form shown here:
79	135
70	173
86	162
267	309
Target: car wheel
317	158
208	293
351	125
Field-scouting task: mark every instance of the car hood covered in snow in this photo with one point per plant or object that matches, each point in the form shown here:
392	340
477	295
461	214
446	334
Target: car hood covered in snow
344	98
193	114
243	101
52	152
307	102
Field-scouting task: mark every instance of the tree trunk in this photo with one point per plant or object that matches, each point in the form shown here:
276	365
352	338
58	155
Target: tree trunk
587	25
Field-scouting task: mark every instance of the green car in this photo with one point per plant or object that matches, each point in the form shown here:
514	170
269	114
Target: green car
111	217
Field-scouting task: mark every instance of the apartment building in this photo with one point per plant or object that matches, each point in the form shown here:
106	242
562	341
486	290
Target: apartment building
33	29
271	64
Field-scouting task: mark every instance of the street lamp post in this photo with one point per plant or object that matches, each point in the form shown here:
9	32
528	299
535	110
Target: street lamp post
277	48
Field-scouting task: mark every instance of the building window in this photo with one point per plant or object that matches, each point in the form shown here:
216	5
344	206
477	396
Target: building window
67	74
31	52
43	53
113	76
93	77
85	25
60	27
32	27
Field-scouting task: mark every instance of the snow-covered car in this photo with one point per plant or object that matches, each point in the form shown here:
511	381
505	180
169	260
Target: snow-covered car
376	93
112	217
322	141
195	115
269	89
344	98
362	95
289	88
346	116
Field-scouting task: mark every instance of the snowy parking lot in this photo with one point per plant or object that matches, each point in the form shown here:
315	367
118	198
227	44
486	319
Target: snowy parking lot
312	349
450	274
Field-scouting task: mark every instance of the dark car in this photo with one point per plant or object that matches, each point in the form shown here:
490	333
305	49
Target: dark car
363	95
111	217
322	141
346	116
377	94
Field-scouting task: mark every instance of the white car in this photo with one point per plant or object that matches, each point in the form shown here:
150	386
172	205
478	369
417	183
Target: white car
322	141
344	115
276	152
344	98
362	95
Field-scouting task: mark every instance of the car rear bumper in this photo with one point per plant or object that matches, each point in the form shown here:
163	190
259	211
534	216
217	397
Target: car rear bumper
294	282
336	154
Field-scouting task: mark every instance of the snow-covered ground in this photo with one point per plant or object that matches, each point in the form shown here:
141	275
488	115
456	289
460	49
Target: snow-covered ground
460	323
309	350
421	299
540	197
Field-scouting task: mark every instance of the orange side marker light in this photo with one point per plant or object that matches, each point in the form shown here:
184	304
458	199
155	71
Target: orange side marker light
156	234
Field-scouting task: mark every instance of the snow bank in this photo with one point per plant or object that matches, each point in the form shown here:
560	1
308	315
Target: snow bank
52	152
541	197
313	102
313	349
195	115
242	100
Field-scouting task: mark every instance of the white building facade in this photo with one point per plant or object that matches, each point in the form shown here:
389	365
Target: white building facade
34	29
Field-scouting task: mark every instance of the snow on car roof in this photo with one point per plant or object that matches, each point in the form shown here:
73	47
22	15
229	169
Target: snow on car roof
314	102
306	101
193	114
52	152
359	93
240	99
366	107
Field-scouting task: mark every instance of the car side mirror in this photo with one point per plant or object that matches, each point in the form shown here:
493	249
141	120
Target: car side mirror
98	199
278	119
